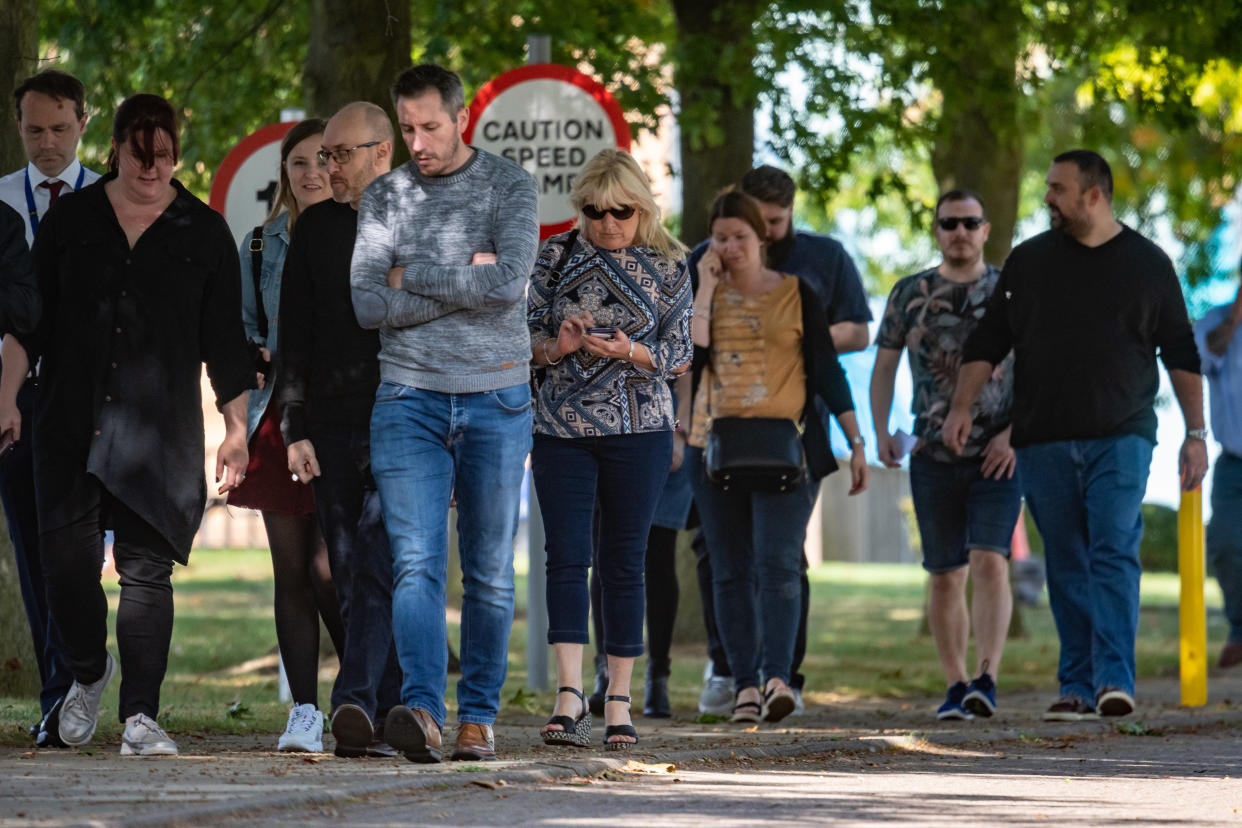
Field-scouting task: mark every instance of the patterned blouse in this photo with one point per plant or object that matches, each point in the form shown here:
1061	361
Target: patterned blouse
931	317
636	289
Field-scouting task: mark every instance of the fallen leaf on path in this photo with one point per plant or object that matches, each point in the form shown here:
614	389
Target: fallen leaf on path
484	783
634	766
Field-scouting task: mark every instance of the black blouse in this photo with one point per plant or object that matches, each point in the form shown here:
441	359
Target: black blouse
122	337
19	300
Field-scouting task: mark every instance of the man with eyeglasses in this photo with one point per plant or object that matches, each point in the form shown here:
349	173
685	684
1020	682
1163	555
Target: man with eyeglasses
966	504
1085	307
823	263
446	245
328	374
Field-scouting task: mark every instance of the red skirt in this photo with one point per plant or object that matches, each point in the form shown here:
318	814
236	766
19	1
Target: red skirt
269	485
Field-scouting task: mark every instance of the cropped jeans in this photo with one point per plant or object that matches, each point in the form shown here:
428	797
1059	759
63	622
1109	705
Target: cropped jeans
426	446
1085	496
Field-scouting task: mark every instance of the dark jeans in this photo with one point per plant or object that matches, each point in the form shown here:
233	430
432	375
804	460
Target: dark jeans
755	540
628	472
1224	538
715	649
73	556
17	494
349	512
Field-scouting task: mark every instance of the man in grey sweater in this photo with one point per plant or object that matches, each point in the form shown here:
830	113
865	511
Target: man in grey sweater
446	244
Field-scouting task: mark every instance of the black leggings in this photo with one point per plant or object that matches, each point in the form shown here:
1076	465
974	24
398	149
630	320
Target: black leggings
73	557
303	594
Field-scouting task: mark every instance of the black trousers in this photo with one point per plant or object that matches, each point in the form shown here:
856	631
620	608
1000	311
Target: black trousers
73	557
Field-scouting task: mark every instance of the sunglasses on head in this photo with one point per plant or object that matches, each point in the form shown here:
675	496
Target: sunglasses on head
595	213
969	222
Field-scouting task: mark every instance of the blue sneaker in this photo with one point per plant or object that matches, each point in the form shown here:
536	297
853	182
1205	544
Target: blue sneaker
981	696
952	707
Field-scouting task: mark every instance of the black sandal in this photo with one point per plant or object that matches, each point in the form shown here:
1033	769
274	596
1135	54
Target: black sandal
619	730
746	712
575	732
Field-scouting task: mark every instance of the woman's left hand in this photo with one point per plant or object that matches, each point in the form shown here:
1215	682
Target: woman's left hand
860	472
616	348
231	460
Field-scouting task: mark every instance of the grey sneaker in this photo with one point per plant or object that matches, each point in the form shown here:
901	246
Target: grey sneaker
304	730
143	737
799	707
717	696
80	712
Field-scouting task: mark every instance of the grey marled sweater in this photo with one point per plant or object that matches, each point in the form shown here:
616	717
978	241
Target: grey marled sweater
453	327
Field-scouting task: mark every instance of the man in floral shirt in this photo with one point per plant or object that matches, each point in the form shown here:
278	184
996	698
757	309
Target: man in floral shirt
966	505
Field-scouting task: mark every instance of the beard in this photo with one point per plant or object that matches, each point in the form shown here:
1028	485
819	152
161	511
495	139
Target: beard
778	251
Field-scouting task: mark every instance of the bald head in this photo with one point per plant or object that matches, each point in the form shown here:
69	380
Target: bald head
358	142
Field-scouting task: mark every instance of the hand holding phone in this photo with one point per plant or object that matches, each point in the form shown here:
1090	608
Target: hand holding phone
603	333
7	441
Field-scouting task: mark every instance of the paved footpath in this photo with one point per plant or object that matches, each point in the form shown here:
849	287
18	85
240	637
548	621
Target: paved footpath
844	763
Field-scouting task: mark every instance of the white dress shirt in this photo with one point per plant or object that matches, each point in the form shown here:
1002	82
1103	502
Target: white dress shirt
13	190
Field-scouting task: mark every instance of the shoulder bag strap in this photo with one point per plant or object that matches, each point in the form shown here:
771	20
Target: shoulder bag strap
256	270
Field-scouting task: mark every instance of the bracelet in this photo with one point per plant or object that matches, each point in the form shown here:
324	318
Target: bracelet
548	359
630	355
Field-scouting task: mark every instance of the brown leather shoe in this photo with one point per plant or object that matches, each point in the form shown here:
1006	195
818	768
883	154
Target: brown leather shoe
474	742
414	733
1231	655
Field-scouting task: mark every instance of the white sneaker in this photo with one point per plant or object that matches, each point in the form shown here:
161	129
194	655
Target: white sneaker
717	695
80	712
304	732
799	707
143	737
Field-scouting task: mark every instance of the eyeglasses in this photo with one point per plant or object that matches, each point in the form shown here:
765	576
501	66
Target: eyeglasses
341	156
969	222
595	213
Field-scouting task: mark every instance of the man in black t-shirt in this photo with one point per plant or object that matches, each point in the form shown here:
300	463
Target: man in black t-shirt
1085	307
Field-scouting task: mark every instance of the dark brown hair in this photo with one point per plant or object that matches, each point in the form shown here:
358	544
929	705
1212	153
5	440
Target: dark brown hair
284	196
739	205
57	85
767	183
137	119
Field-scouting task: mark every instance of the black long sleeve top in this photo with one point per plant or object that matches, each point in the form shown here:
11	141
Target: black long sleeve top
123	337
19	294
327	363
1085	325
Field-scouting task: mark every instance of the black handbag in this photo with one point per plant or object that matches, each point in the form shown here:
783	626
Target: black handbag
754	454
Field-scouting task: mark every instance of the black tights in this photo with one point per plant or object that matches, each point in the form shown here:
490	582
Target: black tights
304	593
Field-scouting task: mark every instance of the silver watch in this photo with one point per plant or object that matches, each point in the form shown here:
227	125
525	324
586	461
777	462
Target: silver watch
1197	434
857	440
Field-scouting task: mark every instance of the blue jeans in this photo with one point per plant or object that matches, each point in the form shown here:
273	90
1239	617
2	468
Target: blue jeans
754	540
1224	537
628	473
424	447
1085	496
348	507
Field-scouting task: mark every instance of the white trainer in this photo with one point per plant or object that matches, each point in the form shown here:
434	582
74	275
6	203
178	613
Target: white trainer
717	695
304	731
143	737
799	706
79	714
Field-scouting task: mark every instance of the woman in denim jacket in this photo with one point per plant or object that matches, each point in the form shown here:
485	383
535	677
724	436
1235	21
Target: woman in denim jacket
304	590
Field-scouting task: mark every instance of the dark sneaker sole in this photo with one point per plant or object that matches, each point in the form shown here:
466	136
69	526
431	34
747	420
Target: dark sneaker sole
351	727
954	716
978	704
402	732
1117	705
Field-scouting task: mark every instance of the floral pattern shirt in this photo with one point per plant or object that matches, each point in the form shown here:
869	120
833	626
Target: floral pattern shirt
636	289
931	317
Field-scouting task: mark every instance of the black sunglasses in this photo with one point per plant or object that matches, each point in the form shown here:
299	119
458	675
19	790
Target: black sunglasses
969	222
595	213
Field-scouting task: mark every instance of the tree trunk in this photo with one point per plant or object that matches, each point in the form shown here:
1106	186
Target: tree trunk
356	50
980	138
19	59
716	79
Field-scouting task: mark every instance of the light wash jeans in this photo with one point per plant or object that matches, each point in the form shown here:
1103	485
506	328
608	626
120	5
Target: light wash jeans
1085	497
425	446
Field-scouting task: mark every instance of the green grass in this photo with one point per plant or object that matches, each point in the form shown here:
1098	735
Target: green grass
864	633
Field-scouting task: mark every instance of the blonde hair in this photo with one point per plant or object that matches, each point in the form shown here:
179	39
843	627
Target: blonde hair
613	179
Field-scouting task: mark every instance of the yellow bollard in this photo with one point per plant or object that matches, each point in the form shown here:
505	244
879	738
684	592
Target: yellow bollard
1191	611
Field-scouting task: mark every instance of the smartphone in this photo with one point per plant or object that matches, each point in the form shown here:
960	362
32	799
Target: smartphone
7	442
603	333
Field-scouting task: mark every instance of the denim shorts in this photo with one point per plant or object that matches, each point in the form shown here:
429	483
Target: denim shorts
958	509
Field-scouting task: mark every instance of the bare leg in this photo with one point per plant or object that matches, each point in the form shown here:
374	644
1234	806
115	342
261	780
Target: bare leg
568	674
615	713
949	622
991	607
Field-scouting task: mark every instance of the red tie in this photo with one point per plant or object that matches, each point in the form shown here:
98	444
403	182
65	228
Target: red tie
53	189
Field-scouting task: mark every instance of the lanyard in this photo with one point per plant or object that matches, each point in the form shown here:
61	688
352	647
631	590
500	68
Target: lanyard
30	205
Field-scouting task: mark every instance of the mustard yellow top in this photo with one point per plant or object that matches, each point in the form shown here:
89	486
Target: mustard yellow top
755	368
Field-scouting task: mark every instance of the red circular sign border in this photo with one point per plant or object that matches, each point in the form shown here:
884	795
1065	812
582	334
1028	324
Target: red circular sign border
548	71
249	145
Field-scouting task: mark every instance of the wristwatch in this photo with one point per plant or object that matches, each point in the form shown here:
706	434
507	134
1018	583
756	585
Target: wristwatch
1197	434
857	440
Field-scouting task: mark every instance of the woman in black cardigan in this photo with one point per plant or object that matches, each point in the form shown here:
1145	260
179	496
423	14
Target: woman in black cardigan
764	350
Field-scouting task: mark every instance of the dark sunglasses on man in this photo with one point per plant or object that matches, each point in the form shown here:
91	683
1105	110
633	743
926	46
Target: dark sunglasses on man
969	222
596	213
